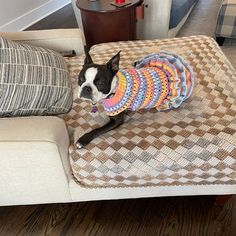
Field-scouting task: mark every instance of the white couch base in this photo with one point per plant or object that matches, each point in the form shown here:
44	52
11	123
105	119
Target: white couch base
80	194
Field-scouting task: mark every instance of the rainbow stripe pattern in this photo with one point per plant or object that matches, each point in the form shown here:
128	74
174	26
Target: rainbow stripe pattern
160	80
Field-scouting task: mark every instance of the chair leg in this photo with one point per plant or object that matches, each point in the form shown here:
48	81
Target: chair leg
220	40
222	199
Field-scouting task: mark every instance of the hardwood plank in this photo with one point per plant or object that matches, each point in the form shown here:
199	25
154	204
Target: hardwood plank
188	216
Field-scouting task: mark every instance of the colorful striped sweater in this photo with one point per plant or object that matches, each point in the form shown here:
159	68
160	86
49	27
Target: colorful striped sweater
162	80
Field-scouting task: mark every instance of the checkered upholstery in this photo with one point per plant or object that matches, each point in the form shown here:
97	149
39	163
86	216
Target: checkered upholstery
226	22
192	145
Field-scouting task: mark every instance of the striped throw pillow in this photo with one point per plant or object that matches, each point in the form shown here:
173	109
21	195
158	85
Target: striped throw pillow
33	81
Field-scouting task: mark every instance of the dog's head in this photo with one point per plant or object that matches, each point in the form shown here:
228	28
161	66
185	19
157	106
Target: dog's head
97	82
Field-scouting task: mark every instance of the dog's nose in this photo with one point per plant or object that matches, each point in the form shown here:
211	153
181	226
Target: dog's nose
86	92
87	89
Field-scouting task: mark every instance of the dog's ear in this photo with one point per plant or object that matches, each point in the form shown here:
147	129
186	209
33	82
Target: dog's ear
113	63
88	59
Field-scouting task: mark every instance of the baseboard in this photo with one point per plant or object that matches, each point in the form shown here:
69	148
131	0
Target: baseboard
29	18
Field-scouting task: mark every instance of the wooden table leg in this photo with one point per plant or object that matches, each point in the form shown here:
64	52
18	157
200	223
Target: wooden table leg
220	40
222	199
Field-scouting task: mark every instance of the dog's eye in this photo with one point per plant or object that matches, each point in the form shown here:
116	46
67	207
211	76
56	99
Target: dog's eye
81	79
99	83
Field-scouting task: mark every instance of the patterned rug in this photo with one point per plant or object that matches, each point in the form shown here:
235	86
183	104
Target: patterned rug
191	145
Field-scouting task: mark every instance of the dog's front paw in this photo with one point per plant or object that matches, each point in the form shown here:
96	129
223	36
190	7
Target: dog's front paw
83	141
79	145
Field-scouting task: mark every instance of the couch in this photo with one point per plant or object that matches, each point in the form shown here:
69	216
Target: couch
190	151
226	21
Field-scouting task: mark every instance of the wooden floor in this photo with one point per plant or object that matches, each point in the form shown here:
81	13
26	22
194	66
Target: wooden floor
183	216
63	18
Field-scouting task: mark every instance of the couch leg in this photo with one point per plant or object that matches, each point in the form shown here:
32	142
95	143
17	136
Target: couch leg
222	199
220	40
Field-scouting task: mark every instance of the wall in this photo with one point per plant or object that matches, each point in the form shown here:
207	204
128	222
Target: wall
16	15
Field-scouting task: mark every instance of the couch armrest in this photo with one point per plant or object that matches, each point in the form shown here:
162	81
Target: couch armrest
156	20
34	160
57	39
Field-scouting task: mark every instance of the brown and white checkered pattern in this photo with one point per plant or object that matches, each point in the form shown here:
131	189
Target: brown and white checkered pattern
192	145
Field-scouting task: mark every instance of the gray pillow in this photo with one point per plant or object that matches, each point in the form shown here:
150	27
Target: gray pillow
33	81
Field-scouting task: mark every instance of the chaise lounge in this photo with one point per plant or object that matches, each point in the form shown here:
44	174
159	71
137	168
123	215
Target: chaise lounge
188	151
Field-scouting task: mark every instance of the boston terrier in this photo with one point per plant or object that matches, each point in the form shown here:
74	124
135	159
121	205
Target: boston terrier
97	82
160	80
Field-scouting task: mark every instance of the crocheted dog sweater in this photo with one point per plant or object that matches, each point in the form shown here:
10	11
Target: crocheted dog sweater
162	80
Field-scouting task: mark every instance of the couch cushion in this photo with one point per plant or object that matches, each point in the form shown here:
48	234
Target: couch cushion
192	145
179	9
34	160
33	81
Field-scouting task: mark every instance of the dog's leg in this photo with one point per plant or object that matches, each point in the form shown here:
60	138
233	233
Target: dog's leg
114	122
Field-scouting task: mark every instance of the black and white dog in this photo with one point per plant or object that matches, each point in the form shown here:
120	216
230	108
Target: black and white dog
97	82
162	80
